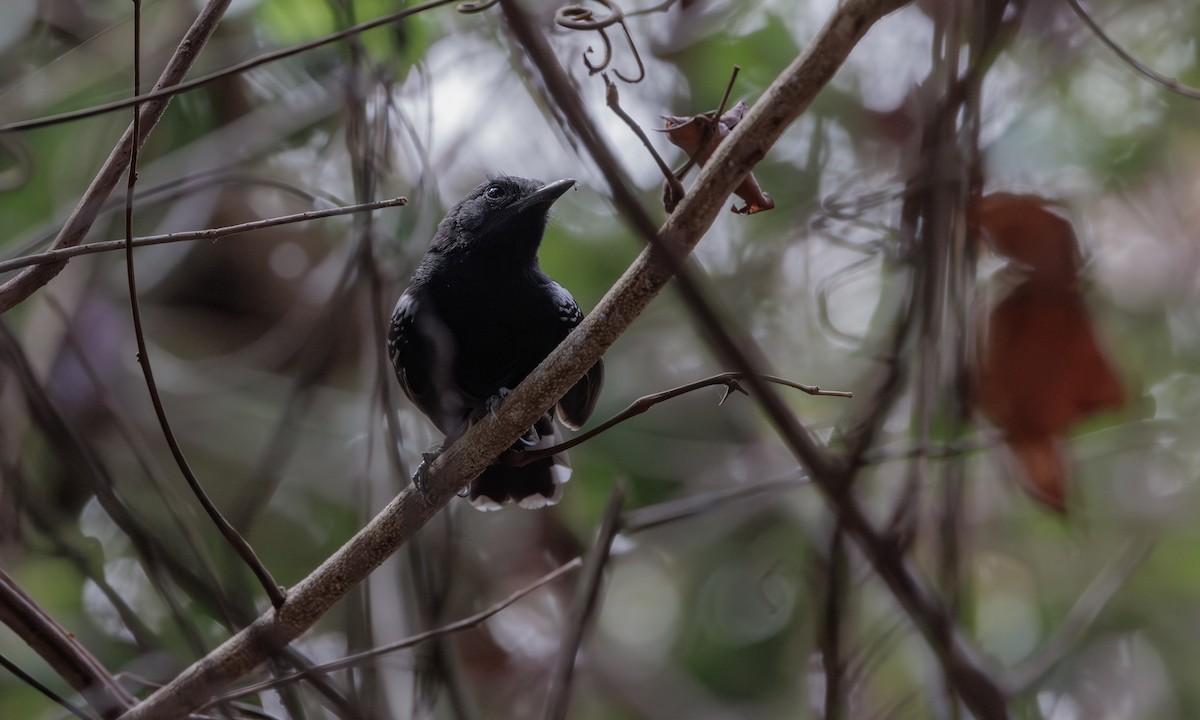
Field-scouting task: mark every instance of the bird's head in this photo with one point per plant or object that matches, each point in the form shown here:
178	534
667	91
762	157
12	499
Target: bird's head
505	215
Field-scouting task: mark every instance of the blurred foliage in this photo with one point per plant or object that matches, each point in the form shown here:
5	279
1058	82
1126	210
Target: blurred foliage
269	355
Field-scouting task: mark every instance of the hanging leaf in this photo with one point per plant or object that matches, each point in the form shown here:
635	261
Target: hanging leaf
1025	229
699	135
1041	367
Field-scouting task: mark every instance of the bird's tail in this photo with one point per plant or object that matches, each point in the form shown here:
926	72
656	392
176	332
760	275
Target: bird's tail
531	486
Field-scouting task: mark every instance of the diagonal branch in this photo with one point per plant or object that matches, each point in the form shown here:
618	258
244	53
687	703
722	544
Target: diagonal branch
788	96
781	104
80	222
60	649
1138	66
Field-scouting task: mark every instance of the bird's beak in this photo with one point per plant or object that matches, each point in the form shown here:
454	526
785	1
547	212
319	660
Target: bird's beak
546	195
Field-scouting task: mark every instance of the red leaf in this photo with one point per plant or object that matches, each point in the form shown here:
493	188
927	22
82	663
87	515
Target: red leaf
1041	367
1023	228
699	135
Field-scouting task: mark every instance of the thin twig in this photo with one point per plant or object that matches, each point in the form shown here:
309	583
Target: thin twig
61	650
90	205
457	626
583	608
1085	611
731	381
34	683
67	253
161	93
231	535
1141	68
686	507
728	91
613	98
837	586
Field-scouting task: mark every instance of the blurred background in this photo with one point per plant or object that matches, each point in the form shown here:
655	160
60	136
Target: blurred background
268	351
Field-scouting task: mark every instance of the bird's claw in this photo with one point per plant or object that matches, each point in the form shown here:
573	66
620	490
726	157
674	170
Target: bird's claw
493	403
420	478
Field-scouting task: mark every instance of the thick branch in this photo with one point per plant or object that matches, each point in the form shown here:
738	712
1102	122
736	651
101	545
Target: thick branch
60	649
783	102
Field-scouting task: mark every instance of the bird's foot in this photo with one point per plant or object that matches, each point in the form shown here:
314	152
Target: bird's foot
420	478
492	404
530	438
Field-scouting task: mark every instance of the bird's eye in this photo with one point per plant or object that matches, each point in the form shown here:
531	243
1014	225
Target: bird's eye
494	192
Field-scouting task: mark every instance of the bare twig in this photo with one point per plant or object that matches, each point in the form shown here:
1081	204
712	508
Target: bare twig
837	585
231	535
731	381
163	92
613	98
682	508
89	206
728	91
583	608
67	253
34	683
466	623
1087	608
61	650
1140	67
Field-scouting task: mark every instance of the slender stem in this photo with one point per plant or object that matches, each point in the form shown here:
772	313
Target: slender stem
731	381
457	626
94	198
165	93
1140	67
613	98
583	609
52	256
34	683
239	544
61	650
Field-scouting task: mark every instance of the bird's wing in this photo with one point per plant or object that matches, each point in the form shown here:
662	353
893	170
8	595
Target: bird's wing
422	350
404	346
576	406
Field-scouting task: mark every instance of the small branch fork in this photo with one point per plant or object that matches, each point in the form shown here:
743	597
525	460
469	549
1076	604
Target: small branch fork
673	190
732	382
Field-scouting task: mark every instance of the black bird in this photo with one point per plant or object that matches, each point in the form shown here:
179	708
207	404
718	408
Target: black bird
478	317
